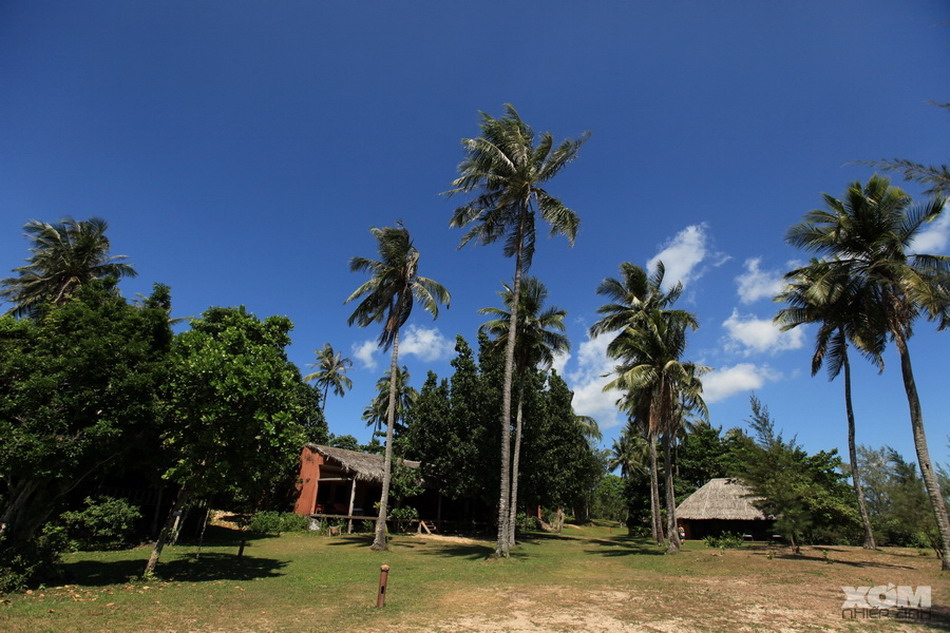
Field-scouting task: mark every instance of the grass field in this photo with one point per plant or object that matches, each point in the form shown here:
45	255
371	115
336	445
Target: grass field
588	579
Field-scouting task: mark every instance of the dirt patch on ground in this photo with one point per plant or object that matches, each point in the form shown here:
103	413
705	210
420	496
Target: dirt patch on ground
729	592
439	538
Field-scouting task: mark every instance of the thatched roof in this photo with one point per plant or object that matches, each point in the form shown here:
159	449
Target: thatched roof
363	466
724	498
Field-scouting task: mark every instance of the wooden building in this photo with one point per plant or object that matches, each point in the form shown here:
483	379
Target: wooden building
723	505
341	483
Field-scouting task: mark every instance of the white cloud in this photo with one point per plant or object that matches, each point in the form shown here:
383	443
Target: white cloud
427	344
748	334
683	254
364	353
755	283
934	238
587	383
560	360
723	382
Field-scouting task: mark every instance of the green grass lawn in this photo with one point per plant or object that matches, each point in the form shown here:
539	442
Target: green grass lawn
590	578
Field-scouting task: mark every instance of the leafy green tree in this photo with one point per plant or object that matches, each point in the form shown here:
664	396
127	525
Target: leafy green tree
330	372
77	392
507	170
896	499
388	297
65	256
844	313
540	336
804	493
233	410
864	238
346	442
609	500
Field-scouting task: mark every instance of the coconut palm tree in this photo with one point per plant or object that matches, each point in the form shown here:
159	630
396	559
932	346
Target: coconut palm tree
65	256
507	169
865	237
636	404
650	365
843	313
388	297
632	298
330	372
540	335
376	412
936	177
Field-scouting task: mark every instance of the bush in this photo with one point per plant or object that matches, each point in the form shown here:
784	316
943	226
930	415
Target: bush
726	540
403	516
104	523
270	522
31	563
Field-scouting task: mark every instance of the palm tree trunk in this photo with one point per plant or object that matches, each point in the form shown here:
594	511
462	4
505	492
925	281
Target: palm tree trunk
923	453
656	523
672	532
379	541
515	459
853	456
502	549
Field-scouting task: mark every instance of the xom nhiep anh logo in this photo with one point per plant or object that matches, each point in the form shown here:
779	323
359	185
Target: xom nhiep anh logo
890	600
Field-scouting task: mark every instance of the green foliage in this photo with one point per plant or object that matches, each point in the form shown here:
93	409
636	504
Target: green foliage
608	500
65	256
726	540
347	442
77	392
23	564
403	517
451	429
805	493
270	522
896	499
105	522
234	406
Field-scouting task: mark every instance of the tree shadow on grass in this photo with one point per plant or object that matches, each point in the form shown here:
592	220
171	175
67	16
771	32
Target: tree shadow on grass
184	568
860	564
624	546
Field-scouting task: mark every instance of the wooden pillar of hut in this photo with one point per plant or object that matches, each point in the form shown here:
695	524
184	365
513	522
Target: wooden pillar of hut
349	529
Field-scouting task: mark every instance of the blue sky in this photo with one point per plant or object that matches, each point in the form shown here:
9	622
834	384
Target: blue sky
241	151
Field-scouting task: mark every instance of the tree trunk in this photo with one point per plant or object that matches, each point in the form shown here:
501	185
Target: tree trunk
184	495
853	456
502	547
515	464
657	524
379	541
923	453
672	532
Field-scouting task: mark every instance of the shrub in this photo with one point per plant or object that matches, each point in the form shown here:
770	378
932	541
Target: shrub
105	522
270	522
403	516
33	562
726	540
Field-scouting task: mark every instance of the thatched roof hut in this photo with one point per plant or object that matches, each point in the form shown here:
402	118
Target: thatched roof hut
724	498
722	505
360	466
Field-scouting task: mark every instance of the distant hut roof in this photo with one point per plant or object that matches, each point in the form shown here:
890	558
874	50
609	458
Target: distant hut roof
363	466
723	498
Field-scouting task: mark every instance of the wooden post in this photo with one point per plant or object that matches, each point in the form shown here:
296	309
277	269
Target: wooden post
383	579
349	529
